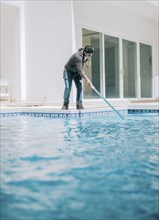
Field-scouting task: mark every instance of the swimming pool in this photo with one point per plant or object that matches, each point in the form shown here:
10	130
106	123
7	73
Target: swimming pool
92	168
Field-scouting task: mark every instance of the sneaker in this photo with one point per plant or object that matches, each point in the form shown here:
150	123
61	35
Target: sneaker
79	106
64	107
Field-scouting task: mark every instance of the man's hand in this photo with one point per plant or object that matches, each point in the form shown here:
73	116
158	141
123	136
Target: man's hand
89	82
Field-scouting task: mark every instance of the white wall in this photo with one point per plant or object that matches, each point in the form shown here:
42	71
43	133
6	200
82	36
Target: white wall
48	37
10	48
49	40
122	19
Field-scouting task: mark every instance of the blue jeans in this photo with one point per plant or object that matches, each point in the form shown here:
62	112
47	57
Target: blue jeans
68	78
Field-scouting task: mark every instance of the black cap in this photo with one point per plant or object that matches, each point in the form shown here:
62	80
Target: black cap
89	49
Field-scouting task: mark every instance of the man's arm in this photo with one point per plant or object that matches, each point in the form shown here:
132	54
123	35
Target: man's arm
81	71
88	81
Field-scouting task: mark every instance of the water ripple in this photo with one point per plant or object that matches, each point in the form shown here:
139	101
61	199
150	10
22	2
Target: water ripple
80	168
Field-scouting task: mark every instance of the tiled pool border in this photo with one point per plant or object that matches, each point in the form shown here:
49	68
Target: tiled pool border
74	114
58	114
143	111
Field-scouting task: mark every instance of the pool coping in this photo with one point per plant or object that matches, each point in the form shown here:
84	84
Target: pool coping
52	112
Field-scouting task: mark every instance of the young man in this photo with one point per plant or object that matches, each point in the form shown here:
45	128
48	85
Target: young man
74	71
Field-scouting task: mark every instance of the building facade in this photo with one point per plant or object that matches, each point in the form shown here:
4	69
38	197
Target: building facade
37	38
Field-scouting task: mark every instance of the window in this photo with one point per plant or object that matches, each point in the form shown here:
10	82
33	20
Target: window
130	68
111	55
111	49
146	70
93	68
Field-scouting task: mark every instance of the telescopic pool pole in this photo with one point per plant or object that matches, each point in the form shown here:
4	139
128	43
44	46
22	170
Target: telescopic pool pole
107	102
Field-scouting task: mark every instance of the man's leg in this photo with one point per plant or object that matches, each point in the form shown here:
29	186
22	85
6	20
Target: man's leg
67	76
79	86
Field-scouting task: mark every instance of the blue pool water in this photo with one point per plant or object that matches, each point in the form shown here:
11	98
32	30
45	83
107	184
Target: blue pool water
99	168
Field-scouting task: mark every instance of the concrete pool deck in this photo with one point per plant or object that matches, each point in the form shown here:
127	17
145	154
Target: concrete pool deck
90	109
87	105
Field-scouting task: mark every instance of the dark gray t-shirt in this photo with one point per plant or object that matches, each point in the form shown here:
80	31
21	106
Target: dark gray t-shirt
75	63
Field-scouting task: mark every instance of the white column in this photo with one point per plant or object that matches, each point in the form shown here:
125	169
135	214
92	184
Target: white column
74	49
103	83
121	72
22	50
138	80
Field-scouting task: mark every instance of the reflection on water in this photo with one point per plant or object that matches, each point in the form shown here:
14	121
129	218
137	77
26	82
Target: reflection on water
86	168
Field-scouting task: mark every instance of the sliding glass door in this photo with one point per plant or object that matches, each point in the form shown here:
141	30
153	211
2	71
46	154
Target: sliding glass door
130	69
119	68
111	49
93	68
146	70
